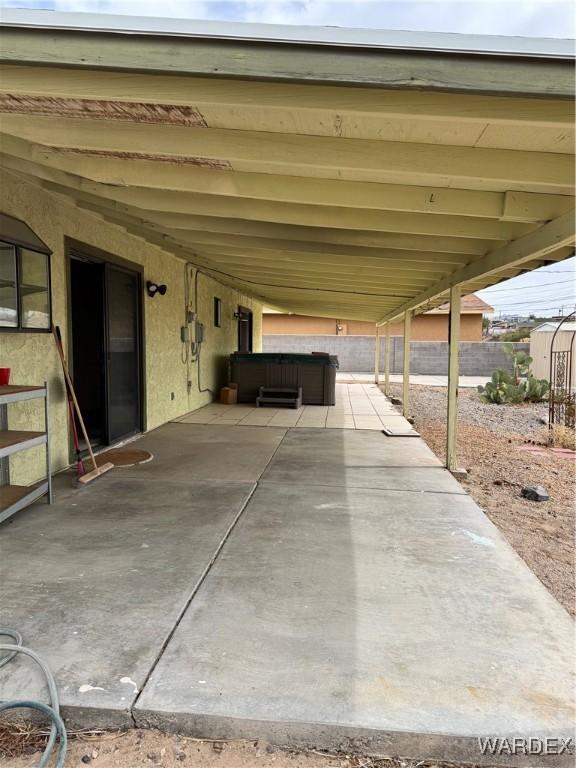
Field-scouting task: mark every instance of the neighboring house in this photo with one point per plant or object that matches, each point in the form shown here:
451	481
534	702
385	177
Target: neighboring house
430	326
541	347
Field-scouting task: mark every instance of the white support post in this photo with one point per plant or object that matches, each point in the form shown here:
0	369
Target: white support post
387	360
377	356
453	372
406	370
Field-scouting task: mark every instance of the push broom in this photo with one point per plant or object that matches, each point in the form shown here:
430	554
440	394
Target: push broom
97	471
79	463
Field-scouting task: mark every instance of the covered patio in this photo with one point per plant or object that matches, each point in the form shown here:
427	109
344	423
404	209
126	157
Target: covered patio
344	173
356	173
312	584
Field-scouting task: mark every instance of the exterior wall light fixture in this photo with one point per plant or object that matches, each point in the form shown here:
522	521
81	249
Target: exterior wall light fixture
153	288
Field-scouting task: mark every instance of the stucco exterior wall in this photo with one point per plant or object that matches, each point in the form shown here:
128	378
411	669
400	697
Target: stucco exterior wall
171	383
427	327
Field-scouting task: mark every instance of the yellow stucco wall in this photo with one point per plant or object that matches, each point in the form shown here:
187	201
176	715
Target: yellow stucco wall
33	358
425	327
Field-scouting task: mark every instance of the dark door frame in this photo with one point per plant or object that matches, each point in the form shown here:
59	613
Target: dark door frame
249	315
75	249
111	267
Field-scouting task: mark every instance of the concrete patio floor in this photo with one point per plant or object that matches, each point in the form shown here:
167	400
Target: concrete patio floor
331	588
359	405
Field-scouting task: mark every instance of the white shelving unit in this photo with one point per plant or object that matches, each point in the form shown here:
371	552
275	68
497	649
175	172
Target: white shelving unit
15	497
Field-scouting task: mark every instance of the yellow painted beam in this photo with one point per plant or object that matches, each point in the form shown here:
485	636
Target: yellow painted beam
406	364
453	374
387	270
325	264
154	201
377	356
294	278
200	230
370	239
236	95
149	174
330	196
471	247
386	359
313	120
458	249
330	253
325	301
396	291
301	155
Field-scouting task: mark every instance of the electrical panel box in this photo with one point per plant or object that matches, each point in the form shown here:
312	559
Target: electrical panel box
199	332
185	334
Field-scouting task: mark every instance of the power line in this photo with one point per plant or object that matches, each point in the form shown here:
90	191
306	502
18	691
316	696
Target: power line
532	287
544	299
539	300
544	271
555	308
534	310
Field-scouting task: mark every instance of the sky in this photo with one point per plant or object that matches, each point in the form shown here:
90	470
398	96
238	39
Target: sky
544	291
542	18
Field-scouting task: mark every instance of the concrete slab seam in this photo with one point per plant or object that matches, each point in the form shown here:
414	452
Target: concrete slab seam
187	602
199	583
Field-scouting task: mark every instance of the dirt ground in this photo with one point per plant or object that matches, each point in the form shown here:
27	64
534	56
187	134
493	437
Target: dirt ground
137	748
492	443
152	749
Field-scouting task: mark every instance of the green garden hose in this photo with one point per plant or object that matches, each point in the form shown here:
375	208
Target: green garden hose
57	729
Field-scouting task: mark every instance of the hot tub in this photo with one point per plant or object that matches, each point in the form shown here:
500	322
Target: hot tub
315	373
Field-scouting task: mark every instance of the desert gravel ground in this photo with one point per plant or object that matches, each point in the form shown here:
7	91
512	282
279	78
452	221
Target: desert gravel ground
491	439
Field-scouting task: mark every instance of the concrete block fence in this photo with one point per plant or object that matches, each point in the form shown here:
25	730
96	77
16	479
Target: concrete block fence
356	353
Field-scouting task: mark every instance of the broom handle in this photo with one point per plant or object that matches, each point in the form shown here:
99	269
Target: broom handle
58	337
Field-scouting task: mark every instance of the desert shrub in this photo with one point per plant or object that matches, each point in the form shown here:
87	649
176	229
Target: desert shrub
536	389
520	387
495	391
559	436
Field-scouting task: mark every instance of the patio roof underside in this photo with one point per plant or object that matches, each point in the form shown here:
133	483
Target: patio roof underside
334	200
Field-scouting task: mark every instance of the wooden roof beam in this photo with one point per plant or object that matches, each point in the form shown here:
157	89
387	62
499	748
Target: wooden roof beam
328	262
253	96
330	253
147	174
302	155
206	230
156	201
